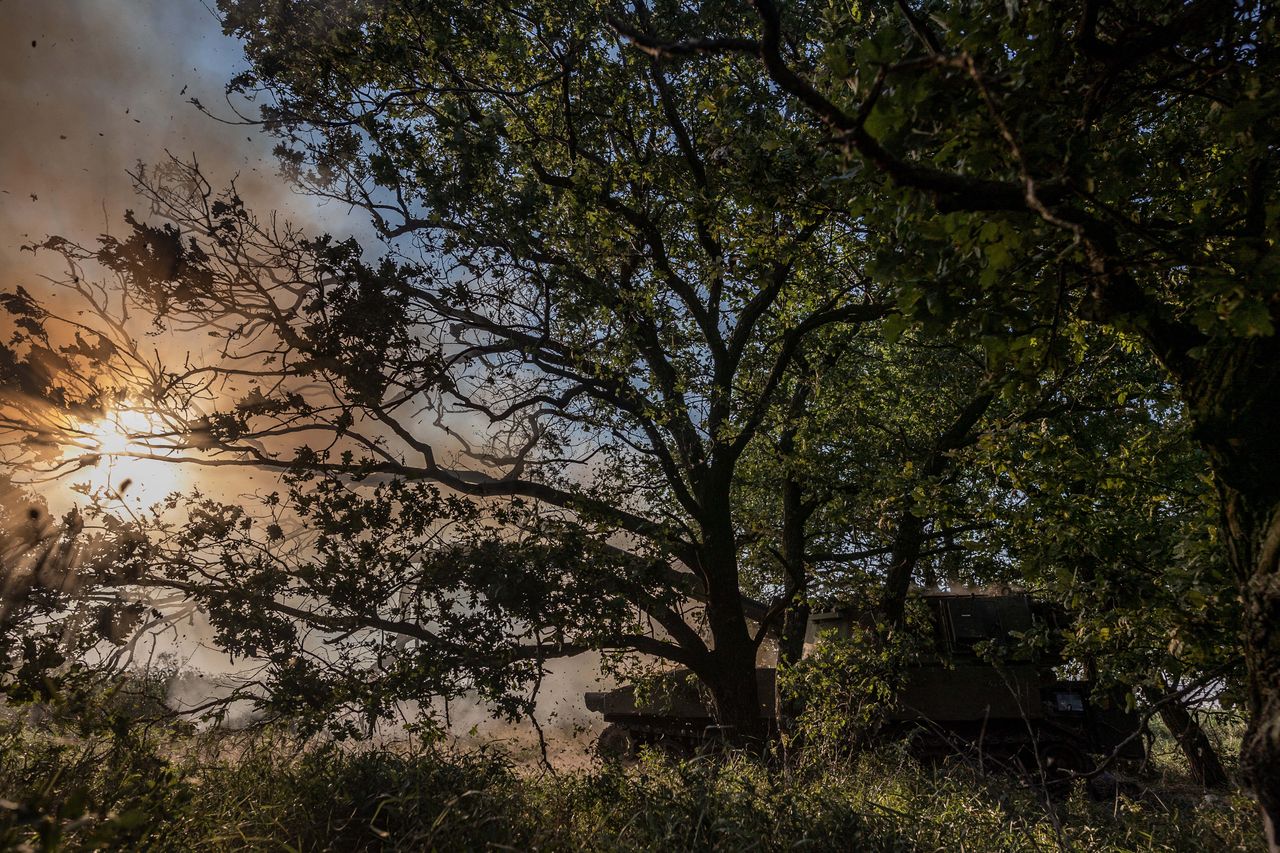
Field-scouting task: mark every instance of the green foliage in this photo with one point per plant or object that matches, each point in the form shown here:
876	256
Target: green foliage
1103	505
91	778
1077	101
609	287
845	689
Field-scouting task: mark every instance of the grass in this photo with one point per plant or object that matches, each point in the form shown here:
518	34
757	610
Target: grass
157	789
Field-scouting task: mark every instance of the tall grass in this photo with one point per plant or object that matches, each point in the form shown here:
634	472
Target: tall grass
157	789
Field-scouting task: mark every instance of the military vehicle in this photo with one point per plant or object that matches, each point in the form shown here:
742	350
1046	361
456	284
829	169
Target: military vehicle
954	700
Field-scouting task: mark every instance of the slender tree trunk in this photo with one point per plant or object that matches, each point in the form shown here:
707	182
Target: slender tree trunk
1234	396
1202	759
908	541
1253	541
795	624
795	620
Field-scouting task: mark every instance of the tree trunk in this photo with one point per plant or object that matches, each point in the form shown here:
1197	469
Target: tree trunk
735	691
731	670
1253	542
1202	759
1234	395
795	624
795	619
908	541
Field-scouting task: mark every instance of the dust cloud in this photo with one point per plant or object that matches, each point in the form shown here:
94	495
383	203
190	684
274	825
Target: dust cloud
564	726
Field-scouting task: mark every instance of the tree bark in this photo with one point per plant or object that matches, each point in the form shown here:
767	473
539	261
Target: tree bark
735	691
1234	396
795	620
731	667
1202	759
1253	542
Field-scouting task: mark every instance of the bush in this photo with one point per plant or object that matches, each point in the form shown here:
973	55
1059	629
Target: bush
843	689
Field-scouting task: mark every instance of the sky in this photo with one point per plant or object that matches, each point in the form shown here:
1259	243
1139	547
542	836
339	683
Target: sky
91	88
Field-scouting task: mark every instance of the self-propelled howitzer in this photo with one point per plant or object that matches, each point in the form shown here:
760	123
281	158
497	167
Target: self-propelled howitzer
955	698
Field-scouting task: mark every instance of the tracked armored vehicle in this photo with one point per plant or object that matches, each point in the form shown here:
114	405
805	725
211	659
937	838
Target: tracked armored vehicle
953	699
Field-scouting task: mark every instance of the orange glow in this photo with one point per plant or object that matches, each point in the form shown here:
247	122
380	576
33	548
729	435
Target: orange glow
120	475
